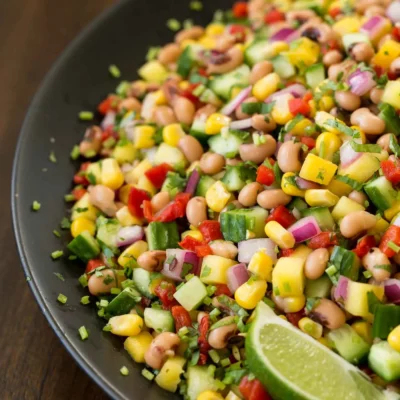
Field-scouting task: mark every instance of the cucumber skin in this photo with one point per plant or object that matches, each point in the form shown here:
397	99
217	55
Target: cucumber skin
162	235
84	246
159	320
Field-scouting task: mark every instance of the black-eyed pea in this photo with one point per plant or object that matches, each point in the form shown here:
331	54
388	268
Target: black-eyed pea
191	148
316	263
235	58
164	115
102	197
169	54
362	52
376	262
130	104
91	141
357	222
260	70
332	57
263	123
224	248
212	163
289	156
369	123
218	338
192	33
162	347
384	142
159	201
258	153
347	100
102	283
152	260
328	314
184	110
248	194
196	210
269	199
376	95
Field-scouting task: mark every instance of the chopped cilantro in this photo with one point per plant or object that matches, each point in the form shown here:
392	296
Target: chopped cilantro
65	224
85	300
124	371
147	374
75	153
196	5
152	53
173	24
59	276
91	178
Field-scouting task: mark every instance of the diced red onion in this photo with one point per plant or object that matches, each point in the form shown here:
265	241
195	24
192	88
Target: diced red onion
361	82
175	259
396	221
393	11
108	120
392	290
191	257
241	124
304	184
129	235
348	155
340	293
236	276
248	247
373	26
287	137
192	182
297	90
304	229
237	101
282	35
295	35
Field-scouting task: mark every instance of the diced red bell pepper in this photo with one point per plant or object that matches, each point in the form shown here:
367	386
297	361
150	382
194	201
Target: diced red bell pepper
239	32
222	290
323	239
107	105
93	264
330	45
265	175
157	174
202	72
79	193
188	93
211	230
203	250
274	16
204	326
173	210
135	201
308	141
299	106
165	292
80	179
307	97
396	33
391	235
283	216
391	170
253	389
334	12
190	243
239	9
364	245
181	317
378	70
295	317
286	252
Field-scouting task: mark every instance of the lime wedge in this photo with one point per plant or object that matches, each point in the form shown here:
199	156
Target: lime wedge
293	365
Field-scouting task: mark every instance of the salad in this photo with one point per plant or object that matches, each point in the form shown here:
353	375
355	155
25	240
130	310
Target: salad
238	206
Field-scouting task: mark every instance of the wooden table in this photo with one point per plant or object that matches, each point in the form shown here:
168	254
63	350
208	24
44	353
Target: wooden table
33	363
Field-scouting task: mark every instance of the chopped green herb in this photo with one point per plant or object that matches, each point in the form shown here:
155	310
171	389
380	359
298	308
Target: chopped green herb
91	178
394	146
69	197
84	334
115	290
83	280
81	209
187	24
65	224
36	206
124	371
85	115
365	148
56	233
62	298
367	274
107	327
59	276
72	257
152	53
75	153
114	71
85	300
206	271
147	374
196	5
351	182
386	267
173	24
52	157
57	254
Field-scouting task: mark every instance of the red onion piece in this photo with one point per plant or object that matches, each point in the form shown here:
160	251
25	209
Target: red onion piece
191	257
373	26
304	184
129	235
108	120
297	90
248	247
361	82
396	221
392	290
295	35
237	275
237	101
282	35
348	155
340	293
393	11
241	124
173	264
192	182
304	229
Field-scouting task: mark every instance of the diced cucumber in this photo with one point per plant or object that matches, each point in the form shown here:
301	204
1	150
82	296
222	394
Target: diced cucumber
236	223
237	176
322	215
173	184
320	287
283	67
159	320
222	84
391	118
346	262
191	294
142	280
198	129
187	59
386	318
349	344
259	50
384	361
352	38
227	145
204	184
162	235
170	155
208	96
381	193
107	230
123	302
199	380
298	203
315	74
84	246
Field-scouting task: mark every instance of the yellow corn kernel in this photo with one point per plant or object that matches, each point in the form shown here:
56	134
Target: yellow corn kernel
326	103
347	25
123	193
280	112
82	224
153	71
215	29
232	396
266	86
320	198
250	293
209	395
94	171
302	252
169	376
379	228
289	187
394	338
240	46
159	98
84	204
288	277
111	174
284	317
145	184
143	136
303	51
215	122
261	265
323	120
172	134
184	85
126	325
133	175
339	188
292	304
125	218
124	153
217	196
276	232
313	105
130	254
187	42
194	234
207	42
325	342
311	327
280	46
137	346
364	329
392	211
318	170
389	51
300	127
214	269
327	144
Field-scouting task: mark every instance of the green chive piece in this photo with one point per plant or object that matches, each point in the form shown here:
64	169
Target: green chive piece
214	356
124	371
90	154
52	157
122	88
59	276
152	53
36	206
394	246
225	362
69	197
84	334
62	298
107	328
367	274
85	300
72	257
114	71
147	374
173	24
56	233
108	143
75	153
115	290
86	115
65	224
103	303
57	254
196	5
187	24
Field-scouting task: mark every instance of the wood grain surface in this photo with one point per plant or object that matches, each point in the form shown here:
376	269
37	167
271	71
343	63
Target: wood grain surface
33	363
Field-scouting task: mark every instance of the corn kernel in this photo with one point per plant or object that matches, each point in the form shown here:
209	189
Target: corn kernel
289	188
111	174
125	153
339	188
217	196
215	29
261	265
159	98
294	304
126	325
250	293
133	175
299	128
130	254
320	198
172	134
137	346
363	329
194	234
327	144
389	51
82	224
215	122
347	25
326	103
209	395
280	46
313	108
284	317
288	277
266	86
311	327
153	71
326	342
84	204
394	338
322	118
125	218
281	112
392	211
184	85
276	232
207	42
303	51
145	184
143	136
318	170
